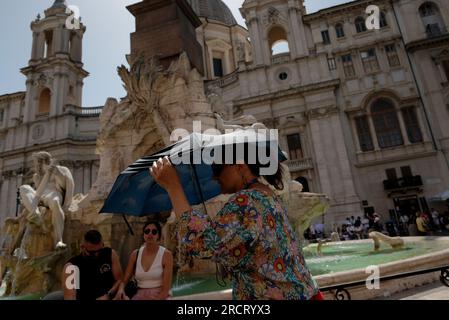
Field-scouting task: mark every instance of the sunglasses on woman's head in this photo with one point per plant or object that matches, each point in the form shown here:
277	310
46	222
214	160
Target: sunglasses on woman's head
153	231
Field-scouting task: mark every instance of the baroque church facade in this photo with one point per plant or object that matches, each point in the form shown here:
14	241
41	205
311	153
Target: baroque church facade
363	114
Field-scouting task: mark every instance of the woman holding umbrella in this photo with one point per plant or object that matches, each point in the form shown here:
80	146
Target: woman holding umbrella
250	236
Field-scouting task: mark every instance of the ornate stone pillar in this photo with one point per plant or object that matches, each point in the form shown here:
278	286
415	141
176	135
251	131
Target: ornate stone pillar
57	40
403	128
372	130
211	62
256	41
34	48
299	43
87	183
40	47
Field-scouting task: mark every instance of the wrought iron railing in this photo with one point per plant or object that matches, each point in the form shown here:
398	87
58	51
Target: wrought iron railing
341	292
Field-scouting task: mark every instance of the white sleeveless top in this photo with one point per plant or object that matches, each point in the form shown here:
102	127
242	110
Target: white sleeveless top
153	277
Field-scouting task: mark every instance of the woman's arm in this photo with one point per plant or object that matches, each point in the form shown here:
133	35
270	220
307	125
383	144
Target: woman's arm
128	274
118	274
167	275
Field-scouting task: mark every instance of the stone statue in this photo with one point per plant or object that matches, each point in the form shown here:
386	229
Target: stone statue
32	243
54	190
395	242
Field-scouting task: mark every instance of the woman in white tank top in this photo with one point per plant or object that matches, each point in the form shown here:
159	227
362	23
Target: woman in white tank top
152	267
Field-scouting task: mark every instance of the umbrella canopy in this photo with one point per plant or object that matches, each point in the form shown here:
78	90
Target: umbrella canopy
442	196
136	193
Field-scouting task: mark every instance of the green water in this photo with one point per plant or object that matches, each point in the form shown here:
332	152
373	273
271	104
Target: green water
349	256
334	258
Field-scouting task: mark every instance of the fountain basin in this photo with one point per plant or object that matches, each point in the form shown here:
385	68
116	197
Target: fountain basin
334	268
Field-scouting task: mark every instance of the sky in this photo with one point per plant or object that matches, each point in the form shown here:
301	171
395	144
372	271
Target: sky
105	44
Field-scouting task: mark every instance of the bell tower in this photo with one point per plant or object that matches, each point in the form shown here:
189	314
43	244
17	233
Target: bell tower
273	22
55	71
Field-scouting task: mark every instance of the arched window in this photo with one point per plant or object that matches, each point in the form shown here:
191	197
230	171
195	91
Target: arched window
305	184
277	40
360	25
339	30
431	18
383	20
386	123
44	102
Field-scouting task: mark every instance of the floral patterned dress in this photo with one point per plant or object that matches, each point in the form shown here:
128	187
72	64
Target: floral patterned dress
251	237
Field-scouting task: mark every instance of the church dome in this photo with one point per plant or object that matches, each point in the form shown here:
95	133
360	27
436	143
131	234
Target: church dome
214	10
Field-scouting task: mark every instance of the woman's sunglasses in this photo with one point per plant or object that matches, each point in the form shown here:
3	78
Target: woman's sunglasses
152	231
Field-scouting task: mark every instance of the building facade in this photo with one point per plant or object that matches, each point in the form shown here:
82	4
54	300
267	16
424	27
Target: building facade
48	115
363	114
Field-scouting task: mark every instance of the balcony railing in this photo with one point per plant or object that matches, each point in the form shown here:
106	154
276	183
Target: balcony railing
300	164
224	81
402	183
280	58
88	111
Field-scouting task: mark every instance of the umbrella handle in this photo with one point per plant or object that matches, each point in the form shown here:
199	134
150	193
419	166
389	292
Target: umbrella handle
129	226
199	188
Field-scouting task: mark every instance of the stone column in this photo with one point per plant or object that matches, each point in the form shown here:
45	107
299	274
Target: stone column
441	71
356	135
403	128
228	61
211	62
87	167
30	106
57	40
65	41
297	30
34	47
56	95
40	46
256	40
372	130
422	126
4	198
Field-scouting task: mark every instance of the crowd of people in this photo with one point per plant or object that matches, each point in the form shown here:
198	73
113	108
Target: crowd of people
351	229
425	223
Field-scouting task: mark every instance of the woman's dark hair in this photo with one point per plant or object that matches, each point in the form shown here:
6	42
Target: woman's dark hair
93	236
275	179
252	162
157	225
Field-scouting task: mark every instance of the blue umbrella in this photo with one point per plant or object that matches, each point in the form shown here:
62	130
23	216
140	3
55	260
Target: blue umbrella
136	193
